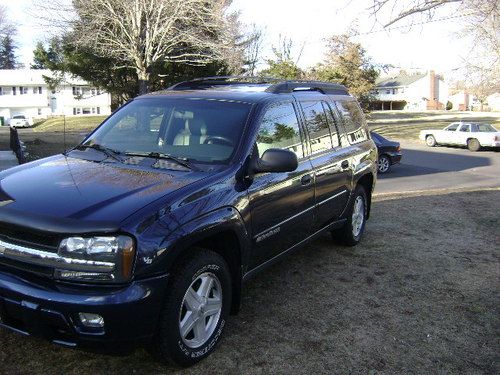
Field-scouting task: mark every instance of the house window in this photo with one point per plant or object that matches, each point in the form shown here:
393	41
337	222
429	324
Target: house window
86	111
35	90
387	91
93	109
39	89
92	91
1	90
394	91
23	90
98	110
77	90
98	92
74	111
13	90
39	111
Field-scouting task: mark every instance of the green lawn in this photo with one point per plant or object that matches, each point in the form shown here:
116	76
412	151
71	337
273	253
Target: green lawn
392	124
72	123
407	125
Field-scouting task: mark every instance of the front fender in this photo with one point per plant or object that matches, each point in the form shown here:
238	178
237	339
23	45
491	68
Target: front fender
225	219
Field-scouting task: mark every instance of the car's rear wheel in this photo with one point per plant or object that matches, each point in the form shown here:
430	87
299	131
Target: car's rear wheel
384	164
352	231
197	304
473	144
430	141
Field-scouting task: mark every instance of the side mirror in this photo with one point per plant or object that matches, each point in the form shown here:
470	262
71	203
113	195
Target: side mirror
276	160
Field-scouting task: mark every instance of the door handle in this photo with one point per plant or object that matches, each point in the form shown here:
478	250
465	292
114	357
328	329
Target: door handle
344	164
306	179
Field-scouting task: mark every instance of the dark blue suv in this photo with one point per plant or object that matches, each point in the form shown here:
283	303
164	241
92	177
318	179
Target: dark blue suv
146	230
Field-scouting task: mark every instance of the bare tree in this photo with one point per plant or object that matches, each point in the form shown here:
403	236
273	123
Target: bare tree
396	10
142	33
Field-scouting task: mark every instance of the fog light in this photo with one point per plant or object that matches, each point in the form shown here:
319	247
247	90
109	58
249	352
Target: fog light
91	320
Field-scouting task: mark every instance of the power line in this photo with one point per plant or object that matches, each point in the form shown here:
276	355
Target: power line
413	24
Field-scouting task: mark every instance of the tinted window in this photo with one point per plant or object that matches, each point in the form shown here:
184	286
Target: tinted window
354	121
486	128
280	129
200	130
317	125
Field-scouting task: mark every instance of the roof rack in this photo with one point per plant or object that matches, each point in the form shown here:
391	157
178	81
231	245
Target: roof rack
276	85
297	86
207	82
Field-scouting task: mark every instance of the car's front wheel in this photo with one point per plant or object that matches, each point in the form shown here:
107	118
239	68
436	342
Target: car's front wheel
473	144
197	305
430	141
352	231
384	164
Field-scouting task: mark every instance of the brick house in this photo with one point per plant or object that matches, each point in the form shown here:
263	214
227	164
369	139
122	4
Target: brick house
413	92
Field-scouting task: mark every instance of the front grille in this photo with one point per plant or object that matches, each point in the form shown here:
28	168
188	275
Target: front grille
21	236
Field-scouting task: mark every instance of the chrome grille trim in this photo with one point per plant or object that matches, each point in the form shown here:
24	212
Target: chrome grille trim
44	258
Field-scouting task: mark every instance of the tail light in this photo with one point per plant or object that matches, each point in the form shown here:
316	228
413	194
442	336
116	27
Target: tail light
398	148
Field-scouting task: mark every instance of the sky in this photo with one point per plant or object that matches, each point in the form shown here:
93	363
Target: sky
433	45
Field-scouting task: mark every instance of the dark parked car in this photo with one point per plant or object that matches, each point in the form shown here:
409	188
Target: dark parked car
389	152
146	230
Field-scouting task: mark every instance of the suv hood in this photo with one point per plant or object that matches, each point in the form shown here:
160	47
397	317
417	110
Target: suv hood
68	189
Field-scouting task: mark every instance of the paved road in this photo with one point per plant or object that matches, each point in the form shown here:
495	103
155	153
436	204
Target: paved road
426	168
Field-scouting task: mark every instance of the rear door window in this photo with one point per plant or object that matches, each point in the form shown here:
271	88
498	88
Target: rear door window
280	129
333	123
317	125
353	119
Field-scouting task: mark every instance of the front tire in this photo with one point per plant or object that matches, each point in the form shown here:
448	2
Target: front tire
352	231
430	141
384	164
473	144
197	305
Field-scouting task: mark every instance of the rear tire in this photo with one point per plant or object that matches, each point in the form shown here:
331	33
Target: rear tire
196	307
430	141
473	144
384	164
352	231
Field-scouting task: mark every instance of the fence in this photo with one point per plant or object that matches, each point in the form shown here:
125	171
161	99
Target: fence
16	145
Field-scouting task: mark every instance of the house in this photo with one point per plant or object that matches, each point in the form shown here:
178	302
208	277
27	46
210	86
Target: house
494	101
26	92
414	92
460	100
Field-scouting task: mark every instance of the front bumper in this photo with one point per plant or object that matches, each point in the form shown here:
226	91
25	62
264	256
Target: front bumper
51	310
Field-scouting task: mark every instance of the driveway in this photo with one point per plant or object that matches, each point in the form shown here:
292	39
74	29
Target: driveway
424	168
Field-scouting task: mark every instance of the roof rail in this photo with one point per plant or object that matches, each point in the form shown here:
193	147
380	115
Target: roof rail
295	86
276	85
206	82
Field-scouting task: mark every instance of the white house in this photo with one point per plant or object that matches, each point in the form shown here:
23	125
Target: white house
494	101
415	92
25	92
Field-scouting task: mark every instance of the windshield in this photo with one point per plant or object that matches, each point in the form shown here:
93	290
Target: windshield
486	128
192	129
18	117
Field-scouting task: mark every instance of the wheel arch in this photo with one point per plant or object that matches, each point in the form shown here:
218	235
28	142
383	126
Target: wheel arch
222	231
367	181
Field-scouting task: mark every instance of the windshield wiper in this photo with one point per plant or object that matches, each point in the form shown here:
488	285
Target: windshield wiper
109	152
161	155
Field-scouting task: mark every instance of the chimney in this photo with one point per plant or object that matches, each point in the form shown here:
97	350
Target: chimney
433	100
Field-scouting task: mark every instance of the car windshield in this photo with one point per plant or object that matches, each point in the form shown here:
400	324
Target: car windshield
18	117
485	128
199	130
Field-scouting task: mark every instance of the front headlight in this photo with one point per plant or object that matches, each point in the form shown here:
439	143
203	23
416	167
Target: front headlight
97	259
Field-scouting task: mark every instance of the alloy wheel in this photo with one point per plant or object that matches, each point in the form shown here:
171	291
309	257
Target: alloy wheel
200	310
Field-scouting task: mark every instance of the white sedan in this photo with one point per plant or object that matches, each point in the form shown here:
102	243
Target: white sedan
20	121
472	135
